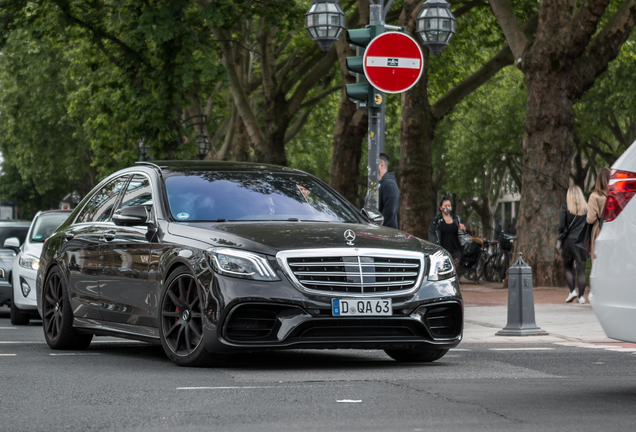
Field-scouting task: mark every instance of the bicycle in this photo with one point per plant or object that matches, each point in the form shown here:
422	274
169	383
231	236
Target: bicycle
472	267
497	265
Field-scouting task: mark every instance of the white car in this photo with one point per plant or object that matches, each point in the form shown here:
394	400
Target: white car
613	276
27	262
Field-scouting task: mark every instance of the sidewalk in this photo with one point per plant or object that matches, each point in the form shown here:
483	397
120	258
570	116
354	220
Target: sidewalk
486	312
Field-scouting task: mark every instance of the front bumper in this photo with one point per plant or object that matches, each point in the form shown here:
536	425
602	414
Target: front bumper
5	292
254	315
27	276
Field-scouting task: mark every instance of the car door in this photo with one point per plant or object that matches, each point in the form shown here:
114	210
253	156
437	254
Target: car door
124	279
82	249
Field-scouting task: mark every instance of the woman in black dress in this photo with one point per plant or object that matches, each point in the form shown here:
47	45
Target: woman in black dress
444	230
573	232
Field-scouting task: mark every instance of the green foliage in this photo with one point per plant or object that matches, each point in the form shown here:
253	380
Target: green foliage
485	129
44	150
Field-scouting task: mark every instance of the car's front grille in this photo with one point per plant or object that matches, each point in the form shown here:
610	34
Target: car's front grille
359	274
361	328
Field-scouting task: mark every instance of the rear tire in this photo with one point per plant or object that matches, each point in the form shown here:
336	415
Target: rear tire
415	355
181	322
17	316
57	315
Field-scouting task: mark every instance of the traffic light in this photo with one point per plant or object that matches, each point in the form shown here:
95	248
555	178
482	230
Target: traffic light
362	93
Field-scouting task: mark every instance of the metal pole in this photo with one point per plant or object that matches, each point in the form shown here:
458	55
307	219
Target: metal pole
376	130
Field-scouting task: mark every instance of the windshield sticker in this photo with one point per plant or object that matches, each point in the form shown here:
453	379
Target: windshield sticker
183	216
38	236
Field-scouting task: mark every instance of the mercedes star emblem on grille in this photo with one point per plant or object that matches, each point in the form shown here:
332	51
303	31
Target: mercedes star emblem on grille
350	236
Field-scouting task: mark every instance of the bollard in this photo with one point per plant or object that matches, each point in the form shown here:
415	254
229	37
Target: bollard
521	320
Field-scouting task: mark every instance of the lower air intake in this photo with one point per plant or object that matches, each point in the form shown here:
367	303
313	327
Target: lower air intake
444	321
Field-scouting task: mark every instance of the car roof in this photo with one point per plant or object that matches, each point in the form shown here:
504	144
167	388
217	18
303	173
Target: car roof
207	166
15	223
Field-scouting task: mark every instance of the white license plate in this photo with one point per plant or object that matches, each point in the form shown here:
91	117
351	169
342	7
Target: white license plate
361	307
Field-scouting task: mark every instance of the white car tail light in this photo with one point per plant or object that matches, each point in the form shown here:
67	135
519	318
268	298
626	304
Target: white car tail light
622	187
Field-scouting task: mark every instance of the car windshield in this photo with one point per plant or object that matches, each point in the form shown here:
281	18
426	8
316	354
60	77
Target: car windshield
46	224
253	196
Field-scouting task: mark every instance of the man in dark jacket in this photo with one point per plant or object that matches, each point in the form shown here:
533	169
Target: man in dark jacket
389	194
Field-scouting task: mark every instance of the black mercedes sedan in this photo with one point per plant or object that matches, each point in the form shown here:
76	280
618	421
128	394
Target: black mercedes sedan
213	258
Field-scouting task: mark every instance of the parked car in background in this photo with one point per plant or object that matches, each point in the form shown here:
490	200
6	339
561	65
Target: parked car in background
15	232
613	275
27	262
212	258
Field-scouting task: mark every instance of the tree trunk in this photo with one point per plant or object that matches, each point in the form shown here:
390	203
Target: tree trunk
417	197
547	151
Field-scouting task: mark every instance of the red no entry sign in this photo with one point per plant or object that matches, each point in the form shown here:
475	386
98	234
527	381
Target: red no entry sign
393	62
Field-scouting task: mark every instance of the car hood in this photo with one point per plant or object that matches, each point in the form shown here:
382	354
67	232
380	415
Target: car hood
33	249
272	237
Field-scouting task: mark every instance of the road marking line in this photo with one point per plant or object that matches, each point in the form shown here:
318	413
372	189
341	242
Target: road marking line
8	355
74	354
8	328
521	349
21	342
348	401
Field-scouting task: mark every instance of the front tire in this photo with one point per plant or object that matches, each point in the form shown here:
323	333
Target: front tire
17	316
181	322
57	320
416	355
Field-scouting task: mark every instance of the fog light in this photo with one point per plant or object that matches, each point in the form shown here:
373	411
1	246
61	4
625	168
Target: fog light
26	289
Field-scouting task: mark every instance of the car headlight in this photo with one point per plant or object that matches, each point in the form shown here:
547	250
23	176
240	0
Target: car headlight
440	266
242	264
28	262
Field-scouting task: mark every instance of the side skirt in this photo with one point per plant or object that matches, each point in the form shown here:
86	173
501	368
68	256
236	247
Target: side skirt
126	331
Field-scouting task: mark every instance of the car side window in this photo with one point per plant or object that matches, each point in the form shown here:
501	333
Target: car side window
138	192
100	207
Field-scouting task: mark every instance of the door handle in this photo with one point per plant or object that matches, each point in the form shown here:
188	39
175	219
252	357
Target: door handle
110	235
69	235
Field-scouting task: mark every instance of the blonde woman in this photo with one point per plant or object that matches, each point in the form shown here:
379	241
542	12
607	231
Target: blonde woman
573	231
596	205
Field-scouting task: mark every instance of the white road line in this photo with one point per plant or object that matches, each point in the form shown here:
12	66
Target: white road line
8	328
8	355
349	401
75	354
521	349
21	342
255	387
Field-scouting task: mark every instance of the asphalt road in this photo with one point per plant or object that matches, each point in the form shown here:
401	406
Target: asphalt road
118	385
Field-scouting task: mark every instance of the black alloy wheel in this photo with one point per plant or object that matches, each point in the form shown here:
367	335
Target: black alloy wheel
181	322
57	320
415	355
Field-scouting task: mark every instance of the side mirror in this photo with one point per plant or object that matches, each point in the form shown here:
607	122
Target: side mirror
373	216
12	243
131	216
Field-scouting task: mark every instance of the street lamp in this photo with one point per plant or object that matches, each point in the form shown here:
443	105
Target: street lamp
436	25
143	148
325	22
203	145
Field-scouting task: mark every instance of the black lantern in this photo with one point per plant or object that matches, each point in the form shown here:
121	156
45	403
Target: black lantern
143	148
325	22
436	25
203	145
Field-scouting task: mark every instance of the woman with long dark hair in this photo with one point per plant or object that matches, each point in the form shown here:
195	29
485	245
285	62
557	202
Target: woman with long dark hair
595	206
444	230
573	231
